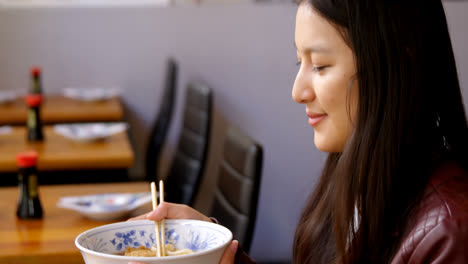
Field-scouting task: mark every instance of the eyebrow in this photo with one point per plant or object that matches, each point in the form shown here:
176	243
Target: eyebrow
315	49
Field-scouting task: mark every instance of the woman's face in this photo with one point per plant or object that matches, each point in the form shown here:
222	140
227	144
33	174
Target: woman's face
325	81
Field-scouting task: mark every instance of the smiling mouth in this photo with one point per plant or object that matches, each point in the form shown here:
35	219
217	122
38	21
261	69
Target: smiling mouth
316	119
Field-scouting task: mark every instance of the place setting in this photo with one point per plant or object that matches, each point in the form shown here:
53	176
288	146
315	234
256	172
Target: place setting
90	94
105	206
90	132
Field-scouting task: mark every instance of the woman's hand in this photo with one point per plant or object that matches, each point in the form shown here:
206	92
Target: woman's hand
230	253
172	211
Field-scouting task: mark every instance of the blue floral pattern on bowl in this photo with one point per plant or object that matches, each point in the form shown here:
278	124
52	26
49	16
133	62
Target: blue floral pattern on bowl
130	239
200	241
181	233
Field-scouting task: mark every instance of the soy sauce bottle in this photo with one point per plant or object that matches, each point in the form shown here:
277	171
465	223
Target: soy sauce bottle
29	205
36	83
33	123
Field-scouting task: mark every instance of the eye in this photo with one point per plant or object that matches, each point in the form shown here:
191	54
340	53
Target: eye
318	68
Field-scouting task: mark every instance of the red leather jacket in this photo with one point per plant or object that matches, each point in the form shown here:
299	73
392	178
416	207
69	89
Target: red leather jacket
438	228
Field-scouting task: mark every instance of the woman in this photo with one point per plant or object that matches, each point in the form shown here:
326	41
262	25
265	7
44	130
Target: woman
380	87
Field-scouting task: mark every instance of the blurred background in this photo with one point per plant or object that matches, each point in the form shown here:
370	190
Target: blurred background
244	50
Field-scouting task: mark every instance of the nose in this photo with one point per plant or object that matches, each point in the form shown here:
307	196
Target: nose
303	91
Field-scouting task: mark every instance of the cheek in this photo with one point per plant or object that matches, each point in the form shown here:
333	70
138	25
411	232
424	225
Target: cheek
332	94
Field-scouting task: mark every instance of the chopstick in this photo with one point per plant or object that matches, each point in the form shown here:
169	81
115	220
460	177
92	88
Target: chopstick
155	205
163	225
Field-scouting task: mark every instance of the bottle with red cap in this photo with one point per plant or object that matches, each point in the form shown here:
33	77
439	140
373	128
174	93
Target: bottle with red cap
33	122
29	204
36	83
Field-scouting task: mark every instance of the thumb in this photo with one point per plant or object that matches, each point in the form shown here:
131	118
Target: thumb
230	253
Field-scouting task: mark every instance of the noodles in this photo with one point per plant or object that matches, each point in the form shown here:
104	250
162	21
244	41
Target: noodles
172	251
143	251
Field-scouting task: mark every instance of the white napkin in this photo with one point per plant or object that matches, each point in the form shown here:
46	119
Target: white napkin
90	131
90	94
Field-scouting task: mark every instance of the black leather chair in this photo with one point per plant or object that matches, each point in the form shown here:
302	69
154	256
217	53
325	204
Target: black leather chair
183	181
163	120
236	198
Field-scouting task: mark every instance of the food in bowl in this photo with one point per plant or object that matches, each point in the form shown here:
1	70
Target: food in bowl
106	244
143	251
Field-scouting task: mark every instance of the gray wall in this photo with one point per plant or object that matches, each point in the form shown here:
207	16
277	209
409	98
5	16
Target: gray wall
244	52
458	22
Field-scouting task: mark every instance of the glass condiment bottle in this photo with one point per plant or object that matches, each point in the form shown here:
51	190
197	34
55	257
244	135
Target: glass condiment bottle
34	123
29	204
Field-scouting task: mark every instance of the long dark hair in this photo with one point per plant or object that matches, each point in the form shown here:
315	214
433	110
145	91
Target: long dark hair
410	112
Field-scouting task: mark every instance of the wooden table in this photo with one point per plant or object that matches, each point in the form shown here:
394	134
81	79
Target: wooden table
51	239
60	109
59	153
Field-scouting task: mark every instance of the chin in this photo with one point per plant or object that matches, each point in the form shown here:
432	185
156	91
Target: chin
327	146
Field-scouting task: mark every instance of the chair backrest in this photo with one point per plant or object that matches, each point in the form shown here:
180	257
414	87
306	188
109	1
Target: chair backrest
163	120
183	181
237	189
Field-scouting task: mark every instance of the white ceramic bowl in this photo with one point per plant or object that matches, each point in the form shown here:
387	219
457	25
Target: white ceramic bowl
101	245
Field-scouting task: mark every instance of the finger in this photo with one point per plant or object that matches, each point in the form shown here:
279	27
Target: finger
163	211
230	253
170	211
140	217
175	211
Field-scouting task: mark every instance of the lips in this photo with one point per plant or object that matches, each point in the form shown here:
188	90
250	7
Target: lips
315	118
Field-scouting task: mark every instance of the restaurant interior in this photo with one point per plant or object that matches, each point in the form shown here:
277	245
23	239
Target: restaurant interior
196	93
